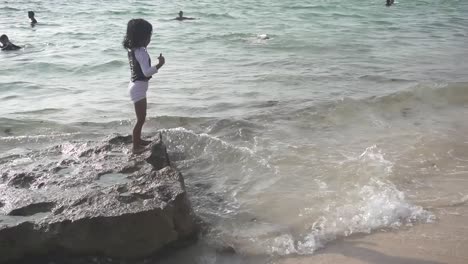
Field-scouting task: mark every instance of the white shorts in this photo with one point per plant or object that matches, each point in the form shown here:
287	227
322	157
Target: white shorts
137	90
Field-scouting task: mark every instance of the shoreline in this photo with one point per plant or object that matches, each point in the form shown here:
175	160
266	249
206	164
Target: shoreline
443	241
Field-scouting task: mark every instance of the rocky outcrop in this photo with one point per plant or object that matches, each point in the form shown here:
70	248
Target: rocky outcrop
97	199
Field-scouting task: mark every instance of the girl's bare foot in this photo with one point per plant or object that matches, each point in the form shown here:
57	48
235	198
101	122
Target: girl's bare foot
145	142
138	150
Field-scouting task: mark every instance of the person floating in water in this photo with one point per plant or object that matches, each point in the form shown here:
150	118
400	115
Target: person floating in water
31	18
6	44
181	17
135	42
390	2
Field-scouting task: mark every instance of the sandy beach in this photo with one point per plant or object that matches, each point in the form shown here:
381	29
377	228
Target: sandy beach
444	241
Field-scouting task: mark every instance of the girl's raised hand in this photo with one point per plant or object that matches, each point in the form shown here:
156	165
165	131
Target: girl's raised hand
162	61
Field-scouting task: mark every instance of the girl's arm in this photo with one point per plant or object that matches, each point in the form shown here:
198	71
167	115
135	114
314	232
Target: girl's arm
143	59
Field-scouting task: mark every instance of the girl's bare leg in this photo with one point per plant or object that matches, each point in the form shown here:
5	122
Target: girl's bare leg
140	111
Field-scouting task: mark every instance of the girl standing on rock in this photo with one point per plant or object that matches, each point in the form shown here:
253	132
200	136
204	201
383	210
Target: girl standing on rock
136	40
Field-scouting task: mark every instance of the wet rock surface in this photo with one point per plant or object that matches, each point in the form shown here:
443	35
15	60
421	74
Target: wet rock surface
95	199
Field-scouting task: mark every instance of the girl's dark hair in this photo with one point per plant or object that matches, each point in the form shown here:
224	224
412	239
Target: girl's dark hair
138	31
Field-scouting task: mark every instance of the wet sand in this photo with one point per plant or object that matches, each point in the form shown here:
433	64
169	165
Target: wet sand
444	241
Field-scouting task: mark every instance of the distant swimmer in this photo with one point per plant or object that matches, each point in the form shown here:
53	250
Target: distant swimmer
6	44
390	2
31	18
263	36
181	17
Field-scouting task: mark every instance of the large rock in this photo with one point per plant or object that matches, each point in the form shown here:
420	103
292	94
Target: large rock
96	200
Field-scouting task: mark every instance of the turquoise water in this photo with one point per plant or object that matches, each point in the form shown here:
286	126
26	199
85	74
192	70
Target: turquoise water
319	50
326	129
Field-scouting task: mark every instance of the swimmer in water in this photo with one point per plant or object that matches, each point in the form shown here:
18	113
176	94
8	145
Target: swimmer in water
31	18
390	2
6	44
263	36
181	17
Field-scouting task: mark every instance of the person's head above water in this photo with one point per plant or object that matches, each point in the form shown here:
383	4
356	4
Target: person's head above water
4	40
181	14
6	44
138	34
31	17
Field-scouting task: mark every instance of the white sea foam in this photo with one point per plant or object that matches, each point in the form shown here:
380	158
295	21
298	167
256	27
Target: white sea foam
372	203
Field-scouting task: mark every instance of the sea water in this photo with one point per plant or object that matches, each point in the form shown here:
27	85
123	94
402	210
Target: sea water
294	123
